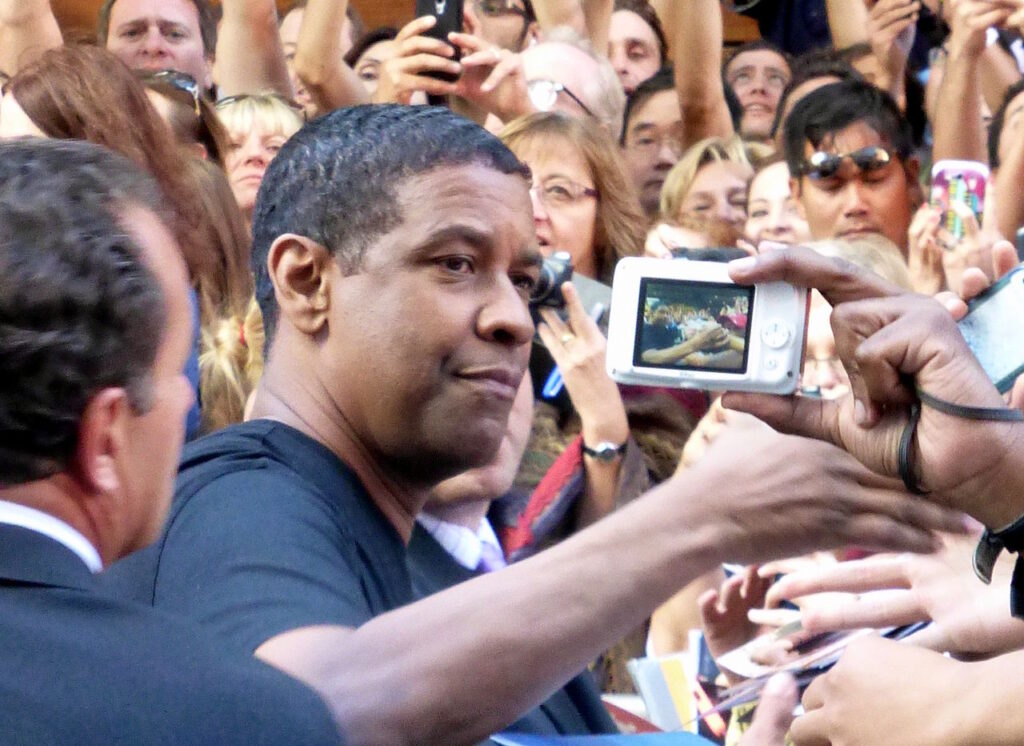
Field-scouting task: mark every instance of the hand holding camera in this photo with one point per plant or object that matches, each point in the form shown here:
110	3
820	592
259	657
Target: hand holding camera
890	342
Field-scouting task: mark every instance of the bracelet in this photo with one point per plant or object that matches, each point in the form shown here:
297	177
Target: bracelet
992	543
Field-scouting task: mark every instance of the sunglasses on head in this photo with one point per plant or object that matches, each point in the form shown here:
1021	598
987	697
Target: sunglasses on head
821	165
178	80
290	103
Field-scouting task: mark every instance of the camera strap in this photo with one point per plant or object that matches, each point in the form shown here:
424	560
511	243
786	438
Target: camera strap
993	542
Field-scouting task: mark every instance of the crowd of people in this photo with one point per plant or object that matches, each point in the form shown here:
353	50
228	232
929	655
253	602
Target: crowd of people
287	454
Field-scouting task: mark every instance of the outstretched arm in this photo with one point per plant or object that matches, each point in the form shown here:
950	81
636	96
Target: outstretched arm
249	54
444	662
697	25
27	29
319	63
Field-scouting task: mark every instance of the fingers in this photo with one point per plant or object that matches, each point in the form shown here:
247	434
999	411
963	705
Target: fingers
796	415
877	609
508	68
1004	258
973	282
415	27
810	729
838	280
856	576
774	713
579	320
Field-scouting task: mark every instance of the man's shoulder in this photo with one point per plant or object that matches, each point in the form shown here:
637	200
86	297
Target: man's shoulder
98	669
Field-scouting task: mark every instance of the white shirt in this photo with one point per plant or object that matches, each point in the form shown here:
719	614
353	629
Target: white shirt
14	514
464	545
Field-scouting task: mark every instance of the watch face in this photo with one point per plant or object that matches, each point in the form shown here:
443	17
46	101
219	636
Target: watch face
605	451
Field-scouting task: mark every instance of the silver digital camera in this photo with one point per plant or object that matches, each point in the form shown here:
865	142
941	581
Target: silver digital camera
685	324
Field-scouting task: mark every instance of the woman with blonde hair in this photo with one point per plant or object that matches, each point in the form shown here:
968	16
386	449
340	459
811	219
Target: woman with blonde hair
583	198
710	181
257	126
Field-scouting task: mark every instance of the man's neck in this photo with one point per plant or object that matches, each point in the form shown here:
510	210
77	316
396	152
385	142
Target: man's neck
53	496
465	514
289	399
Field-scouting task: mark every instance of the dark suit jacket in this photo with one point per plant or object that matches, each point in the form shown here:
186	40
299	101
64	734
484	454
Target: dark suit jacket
80	668
575	709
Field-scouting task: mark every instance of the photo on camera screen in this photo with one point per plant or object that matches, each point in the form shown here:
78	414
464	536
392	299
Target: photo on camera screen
687	325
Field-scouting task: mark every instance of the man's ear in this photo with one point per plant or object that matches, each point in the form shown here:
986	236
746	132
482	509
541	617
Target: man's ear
531	37
207	81
300	269
102	437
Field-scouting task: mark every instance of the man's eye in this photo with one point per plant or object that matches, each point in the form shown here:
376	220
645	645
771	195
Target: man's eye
759	213
638	52
133	33
525	283
738	201
457	264
741	79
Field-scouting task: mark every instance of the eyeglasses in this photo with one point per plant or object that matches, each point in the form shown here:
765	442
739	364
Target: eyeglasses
649	143
290	103
499	8
179	80
823	165
544	93
557	191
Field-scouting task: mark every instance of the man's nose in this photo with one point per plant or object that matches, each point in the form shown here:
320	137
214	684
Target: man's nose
506	318
153	42
854	202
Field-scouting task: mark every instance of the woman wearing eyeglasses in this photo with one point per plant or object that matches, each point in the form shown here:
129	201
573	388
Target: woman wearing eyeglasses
589	452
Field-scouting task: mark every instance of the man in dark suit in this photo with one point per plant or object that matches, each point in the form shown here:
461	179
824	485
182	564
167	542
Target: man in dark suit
95	328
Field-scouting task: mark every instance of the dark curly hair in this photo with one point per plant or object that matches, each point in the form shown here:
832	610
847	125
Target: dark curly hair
336	180
79	310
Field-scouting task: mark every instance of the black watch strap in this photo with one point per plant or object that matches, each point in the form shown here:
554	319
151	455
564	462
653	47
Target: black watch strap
991	545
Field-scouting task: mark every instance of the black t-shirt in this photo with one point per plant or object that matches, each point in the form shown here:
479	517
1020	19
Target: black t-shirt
269	531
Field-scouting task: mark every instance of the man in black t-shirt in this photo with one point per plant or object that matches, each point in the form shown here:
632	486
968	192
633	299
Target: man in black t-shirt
394	253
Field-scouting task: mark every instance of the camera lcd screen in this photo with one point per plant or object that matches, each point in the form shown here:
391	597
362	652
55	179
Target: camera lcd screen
688	325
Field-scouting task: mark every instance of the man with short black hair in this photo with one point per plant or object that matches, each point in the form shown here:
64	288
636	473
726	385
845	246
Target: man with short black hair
394	252
652	133
757	72
850	156
95	326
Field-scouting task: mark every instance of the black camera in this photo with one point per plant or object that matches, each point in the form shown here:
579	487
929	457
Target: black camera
556	270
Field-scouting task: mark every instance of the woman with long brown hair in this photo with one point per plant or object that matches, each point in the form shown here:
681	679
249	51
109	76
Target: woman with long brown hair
85	93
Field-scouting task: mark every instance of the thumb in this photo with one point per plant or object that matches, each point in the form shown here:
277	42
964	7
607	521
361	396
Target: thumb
774	713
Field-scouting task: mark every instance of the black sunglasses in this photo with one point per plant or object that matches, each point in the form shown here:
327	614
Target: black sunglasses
179	80
821	165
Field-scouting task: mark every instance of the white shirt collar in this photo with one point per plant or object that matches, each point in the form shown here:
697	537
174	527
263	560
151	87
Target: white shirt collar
14	514
463	544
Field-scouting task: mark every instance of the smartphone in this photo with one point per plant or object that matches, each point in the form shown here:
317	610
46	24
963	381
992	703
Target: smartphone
994	329
958	181
449	18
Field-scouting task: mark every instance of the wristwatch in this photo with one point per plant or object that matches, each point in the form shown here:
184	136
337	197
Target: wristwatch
605	451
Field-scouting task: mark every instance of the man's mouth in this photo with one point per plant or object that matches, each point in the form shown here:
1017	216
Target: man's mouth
498	381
